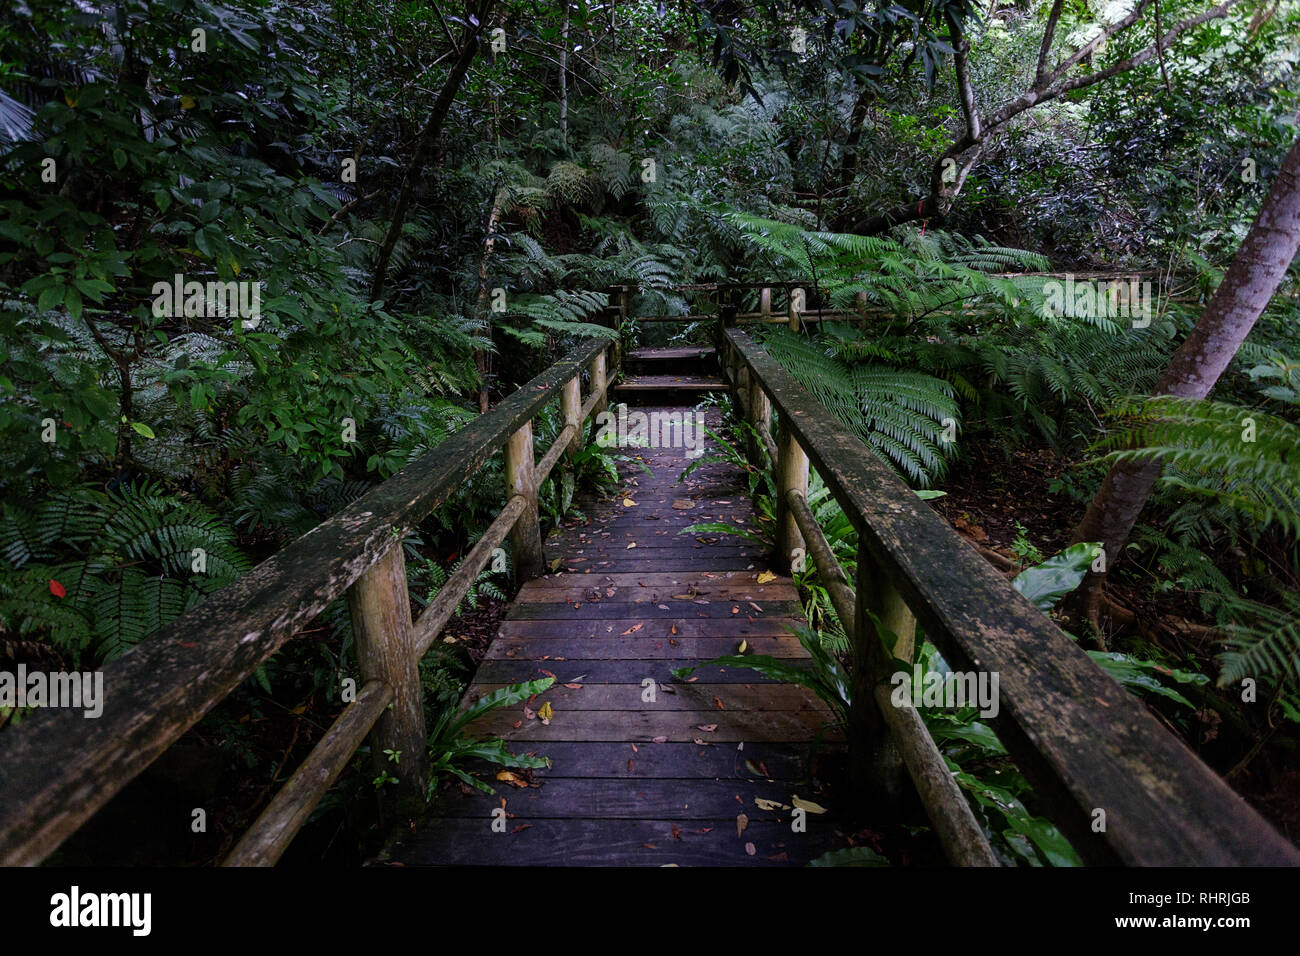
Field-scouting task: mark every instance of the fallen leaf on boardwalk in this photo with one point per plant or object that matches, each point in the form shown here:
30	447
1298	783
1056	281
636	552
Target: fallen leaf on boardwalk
735	610
574	686
530	713
633	629
546	713
807	805
672	643
708	728
505	776
677	832
630	546
692	680
717	702
756	607
518	724
663	607
555	565
629	503
522	826
769	804
610	592
766	577
742	821
668	688
660	740
650	846
700	743
681	597
741	648
629	764
749	848
682	504
674	630
636	749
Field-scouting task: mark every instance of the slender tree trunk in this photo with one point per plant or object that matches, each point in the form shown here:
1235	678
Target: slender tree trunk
564	77
1231	313
428	136
482	309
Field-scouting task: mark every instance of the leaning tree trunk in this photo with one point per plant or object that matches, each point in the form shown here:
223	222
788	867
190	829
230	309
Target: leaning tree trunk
424	145
1231	313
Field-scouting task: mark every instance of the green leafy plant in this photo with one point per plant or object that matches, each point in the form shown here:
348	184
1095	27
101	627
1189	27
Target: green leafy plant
449	749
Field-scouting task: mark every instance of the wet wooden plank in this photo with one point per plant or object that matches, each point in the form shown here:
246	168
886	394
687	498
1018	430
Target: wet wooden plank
470	842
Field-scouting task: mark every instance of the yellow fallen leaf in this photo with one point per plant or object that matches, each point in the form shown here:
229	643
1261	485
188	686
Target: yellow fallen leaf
807	805
545	712
741	648
505	776
766	577
629	503
770	804
630	546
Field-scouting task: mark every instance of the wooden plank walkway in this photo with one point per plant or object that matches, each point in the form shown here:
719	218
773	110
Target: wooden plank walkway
640	778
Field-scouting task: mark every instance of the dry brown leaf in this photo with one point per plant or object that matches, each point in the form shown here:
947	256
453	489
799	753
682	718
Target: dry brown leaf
633	629
742	821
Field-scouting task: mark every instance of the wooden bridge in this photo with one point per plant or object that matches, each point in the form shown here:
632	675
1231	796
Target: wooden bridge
661	777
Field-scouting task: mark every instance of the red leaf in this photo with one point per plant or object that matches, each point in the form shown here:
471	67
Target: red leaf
57	589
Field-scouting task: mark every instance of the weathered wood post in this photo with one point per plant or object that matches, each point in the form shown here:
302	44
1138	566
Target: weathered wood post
765	303
526	535
760	414
791	475
875	765
793	314
385	641
599	381
571	406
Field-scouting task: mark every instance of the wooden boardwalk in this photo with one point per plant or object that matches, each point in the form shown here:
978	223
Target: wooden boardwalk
646	770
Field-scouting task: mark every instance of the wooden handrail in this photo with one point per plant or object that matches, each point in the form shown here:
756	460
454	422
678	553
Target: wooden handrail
1121	787
58	768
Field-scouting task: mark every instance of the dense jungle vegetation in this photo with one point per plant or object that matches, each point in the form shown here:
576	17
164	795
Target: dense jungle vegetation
432	201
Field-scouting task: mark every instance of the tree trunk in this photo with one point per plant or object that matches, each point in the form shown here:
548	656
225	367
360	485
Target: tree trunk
1231	313
564	77
428	136
481	307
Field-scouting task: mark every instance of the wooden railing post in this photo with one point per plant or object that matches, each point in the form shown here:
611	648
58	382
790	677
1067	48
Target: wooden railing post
794	312
765	303
599	379
875	765
526	535
791	475
571	405
385	642
760	414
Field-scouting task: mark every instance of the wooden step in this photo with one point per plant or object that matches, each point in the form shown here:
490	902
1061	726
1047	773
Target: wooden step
672	354
672	383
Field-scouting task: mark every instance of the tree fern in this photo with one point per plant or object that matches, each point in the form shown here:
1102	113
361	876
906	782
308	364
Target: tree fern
1237	456
900	414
